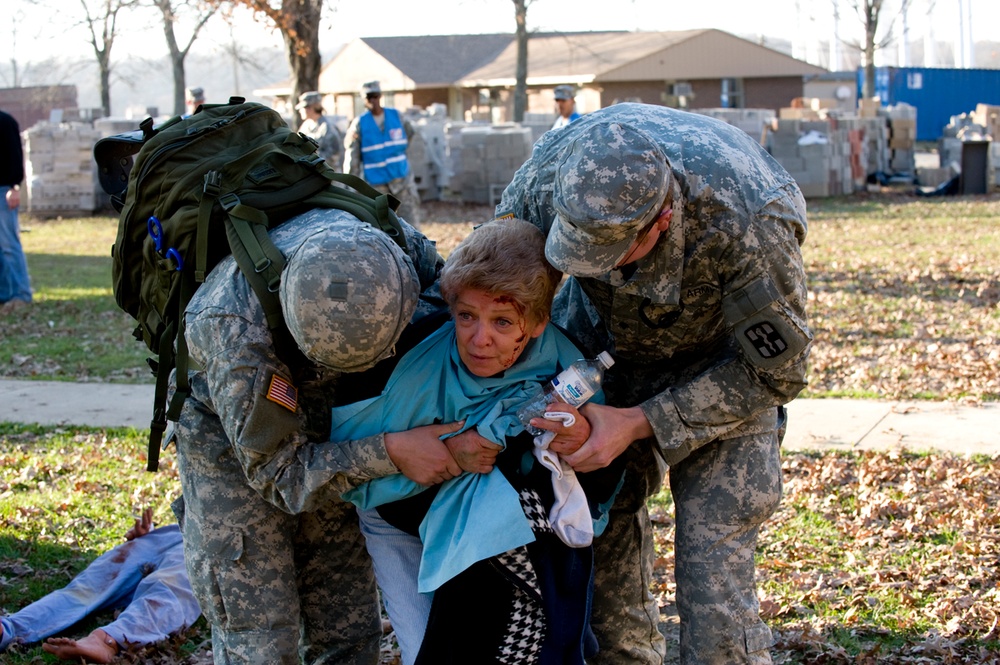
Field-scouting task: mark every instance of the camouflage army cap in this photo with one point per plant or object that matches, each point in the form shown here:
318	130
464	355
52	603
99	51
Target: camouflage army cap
610	183
347	292
563	92
311	98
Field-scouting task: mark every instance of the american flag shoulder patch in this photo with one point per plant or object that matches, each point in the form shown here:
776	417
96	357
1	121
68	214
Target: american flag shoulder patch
283	393
509	215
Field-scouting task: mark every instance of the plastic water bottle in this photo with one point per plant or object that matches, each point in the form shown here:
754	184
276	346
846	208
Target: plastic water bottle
574	386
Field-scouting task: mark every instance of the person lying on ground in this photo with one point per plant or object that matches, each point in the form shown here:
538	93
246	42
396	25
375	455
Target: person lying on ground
144	577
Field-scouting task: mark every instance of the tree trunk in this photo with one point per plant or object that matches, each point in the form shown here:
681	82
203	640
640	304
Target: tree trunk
872	10
298	21
521	74
302	50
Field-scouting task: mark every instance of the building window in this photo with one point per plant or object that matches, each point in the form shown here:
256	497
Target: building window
732	94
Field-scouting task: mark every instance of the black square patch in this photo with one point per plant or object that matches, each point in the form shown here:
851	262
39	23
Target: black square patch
766	340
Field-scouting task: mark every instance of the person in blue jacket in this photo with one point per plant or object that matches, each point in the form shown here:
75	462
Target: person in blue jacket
376	144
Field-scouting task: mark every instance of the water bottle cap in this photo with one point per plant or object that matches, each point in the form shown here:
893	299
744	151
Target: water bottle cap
606	359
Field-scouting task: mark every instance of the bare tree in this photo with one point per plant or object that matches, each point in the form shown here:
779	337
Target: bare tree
101	23
521	69
871	13
172	11
298	21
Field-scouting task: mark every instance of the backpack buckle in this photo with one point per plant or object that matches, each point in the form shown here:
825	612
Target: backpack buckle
229	201
213	182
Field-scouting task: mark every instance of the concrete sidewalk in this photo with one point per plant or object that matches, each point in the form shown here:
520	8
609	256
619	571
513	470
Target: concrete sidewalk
839	424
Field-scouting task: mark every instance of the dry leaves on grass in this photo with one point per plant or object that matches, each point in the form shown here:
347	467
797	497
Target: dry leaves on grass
878	558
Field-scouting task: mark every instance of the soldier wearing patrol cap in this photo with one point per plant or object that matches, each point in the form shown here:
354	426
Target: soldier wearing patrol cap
321	129
682	236
276	559
565	98
193	98
375	149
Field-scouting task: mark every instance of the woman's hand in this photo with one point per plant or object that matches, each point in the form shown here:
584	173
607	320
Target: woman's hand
473	452
421	456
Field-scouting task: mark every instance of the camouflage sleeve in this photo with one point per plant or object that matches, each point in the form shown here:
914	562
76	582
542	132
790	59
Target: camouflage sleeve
352	149
764	307
329	140
264	420
423	252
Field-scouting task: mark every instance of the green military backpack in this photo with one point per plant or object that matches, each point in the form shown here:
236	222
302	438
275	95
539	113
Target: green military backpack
194	190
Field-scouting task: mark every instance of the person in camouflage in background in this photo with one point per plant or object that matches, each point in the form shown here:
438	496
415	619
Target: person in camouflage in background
683	239
270	547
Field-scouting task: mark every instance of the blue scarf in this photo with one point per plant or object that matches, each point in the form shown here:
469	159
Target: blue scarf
474	515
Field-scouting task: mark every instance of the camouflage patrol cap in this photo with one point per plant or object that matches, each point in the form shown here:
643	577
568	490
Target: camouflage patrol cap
610	183
347	292
563	92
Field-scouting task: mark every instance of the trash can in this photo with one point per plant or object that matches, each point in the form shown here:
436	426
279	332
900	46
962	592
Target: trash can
975	167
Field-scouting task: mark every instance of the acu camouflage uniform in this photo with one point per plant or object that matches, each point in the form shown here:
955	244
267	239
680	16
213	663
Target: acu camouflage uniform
270	547
330	145
709	336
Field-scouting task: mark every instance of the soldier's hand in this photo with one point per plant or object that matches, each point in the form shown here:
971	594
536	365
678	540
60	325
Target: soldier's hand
567	439
613	430
420	454
473	452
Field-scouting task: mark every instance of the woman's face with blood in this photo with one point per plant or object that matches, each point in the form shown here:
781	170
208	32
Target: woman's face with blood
492	331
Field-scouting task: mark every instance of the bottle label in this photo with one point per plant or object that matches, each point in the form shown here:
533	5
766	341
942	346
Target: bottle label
572	387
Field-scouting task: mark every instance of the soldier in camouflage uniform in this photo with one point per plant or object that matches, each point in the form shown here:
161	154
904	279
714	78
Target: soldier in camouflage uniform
270	547
682	236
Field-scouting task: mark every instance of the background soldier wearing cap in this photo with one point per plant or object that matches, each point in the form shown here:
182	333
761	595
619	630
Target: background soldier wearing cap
565	105
317	126
682	236
276	559
376	151
193	97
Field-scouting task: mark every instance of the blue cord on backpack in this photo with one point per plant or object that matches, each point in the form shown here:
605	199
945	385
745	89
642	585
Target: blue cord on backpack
155	229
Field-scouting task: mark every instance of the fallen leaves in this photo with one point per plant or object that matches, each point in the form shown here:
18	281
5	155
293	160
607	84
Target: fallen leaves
880	557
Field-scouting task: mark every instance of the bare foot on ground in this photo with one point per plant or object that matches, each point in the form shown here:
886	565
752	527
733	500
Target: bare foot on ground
97	647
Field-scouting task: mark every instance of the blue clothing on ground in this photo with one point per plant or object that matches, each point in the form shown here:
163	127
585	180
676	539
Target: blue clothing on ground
146	576
474	516
14	282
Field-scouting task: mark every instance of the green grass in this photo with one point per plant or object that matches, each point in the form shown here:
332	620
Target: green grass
903	299
67	496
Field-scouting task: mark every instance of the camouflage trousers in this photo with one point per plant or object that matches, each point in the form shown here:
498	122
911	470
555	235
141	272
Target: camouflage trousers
278	589
722	494
405	189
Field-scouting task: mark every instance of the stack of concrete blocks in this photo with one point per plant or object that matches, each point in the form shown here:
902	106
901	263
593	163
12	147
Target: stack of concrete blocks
983	124
539	123
902	120
484	159
60	172
754	122
877	142
428	152
816	153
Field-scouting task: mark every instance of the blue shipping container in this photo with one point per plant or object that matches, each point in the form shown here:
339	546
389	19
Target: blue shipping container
937	93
